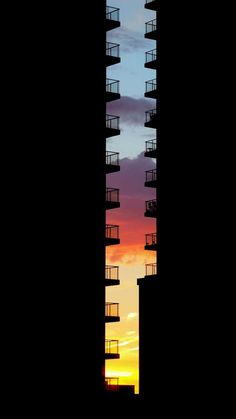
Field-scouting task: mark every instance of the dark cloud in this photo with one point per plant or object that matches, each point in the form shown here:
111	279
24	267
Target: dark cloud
130	110
129	40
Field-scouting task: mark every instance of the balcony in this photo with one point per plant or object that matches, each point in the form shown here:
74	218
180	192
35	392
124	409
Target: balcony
112	125
112	275
112	90
112	18
151	59
112	384
151	149
112	312
151	208
112	235
151	4
151	89
151	178
151	29
112	198
151	119
112	349
151	241
112	53
112	162
151	270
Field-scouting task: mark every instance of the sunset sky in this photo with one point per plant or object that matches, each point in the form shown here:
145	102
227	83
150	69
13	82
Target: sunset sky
130	254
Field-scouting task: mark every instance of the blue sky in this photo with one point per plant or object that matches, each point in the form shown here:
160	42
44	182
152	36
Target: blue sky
132	75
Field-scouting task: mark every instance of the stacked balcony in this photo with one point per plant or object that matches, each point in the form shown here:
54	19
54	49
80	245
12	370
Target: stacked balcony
151	29
112	235
151	59
151	178
112	312
112	90
151	118
151	149
112	18
112	164
112	198
112	125
151	208
151	89
151	241
112	349
150	270
112	53
112	275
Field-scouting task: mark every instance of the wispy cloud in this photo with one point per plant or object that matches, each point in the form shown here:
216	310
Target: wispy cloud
130	40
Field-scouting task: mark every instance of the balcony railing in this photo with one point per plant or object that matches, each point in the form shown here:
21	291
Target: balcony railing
112	273
112	86
112	347
112	122
151	206
151	26
112	49
151	115
112	13
150	55
150	269
112	310
112	383
151	145
112	195
151	239
112	231
151	175
151	85
112	158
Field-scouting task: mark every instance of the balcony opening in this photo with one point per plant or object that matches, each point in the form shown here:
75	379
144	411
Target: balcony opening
112	90
151	29
151	59
112	18
112	53
112	162
151	148
151	269
151	89
112	275
151	241
151	178
151	208
151	118
112	125
112	234
112	349
112	198
112	312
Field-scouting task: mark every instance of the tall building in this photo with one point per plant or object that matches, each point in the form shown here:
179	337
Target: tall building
150	284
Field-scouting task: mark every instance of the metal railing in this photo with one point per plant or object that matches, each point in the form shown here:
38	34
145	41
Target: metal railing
151	206
112	13
111	346
112	383
112	309
112	49
112	158
112	86
151	239
150	269
151	26
112	231
151	55
151	115
151	145
151	85
151	175
112	194
112	272
112	121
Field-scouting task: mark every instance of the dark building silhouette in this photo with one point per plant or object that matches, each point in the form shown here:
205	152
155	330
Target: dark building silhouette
149	286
